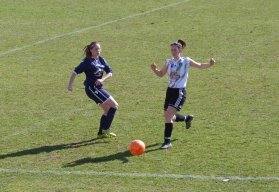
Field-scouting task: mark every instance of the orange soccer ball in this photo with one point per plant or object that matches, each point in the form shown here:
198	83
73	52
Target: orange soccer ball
137	147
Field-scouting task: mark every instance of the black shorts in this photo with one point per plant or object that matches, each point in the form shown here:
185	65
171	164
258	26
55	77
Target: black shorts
97	94
175	97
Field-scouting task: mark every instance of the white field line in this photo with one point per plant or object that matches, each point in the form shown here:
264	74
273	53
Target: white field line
147	175
89	28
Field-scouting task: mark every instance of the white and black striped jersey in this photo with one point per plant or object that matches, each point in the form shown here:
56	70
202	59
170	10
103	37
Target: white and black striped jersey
178	72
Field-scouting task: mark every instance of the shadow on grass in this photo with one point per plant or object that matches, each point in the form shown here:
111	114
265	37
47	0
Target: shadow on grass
50	148
121	156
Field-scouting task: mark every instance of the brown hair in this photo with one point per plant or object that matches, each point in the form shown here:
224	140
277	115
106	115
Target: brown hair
87	49
179	43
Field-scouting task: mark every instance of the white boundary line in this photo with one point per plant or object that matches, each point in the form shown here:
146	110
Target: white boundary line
148	175
91	27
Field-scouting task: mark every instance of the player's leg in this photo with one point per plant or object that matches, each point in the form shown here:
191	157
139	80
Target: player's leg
169	115
178	105
113	106
105	108
184	118
109	106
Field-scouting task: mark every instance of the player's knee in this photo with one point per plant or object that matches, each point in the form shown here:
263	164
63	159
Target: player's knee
168	120
165	114
114	104
106	111
168	116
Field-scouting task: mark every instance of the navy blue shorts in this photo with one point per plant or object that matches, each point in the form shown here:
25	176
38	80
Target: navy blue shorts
97	94
175	97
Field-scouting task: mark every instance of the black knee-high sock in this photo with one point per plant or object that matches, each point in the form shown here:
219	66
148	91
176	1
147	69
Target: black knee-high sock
109	118
180	117
168	131
102	123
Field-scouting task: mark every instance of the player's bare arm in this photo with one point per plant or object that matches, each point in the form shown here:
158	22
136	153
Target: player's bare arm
159	72
71	81
202	65
101	81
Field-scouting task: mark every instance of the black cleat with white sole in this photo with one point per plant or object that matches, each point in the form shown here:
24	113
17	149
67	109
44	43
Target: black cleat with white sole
166	146
188	121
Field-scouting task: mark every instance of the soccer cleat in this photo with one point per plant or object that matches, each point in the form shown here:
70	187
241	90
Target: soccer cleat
101	136
166	146
108	133
188	121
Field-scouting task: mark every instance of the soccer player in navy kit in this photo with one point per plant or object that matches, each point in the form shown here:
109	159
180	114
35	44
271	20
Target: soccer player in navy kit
177	69
94	67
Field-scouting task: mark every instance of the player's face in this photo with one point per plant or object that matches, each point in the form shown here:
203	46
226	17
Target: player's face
175	51
96	50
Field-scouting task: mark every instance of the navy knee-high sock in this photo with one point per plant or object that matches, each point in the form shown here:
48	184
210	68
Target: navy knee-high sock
109	118
102	123
168	131
180	118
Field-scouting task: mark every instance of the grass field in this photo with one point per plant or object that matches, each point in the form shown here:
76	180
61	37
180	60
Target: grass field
236	103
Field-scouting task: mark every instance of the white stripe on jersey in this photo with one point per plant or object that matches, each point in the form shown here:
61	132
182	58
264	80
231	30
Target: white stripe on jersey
178	72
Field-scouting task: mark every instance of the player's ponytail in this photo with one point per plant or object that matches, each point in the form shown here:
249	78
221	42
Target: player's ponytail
180	44
183	43
87	49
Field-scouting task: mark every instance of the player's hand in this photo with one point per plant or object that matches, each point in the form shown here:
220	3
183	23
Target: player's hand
99	82
70	87
153	66
212	61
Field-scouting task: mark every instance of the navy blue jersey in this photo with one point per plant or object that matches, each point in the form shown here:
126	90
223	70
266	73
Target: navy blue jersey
93	69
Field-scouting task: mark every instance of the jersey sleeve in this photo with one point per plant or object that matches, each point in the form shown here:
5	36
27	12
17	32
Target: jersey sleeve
167	62
188	62
80	68
107	68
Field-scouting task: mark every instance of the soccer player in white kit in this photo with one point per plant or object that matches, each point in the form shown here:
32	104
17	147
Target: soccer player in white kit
177	69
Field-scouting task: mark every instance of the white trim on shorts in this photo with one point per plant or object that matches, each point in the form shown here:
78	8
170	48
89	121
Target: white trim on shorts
179	99
177	108
102	93
95	94
107	99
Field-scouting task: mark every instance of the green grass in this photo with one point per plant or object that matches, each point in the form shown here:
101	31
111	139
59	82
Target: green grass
236	103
